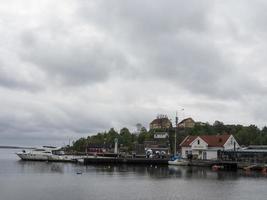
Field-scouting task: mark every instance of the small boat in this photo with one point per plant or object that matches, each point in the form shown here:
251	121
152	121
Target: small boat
80	160
264	170
217	167
178	161
255	167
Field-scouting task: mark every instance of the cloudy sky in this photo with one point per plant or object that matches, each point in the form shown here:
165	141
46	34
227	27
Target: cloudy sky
70	68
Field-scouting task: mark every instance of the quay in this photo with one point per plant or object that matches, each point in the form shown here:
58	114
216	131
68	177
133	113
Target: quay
120	160
157	161
227	165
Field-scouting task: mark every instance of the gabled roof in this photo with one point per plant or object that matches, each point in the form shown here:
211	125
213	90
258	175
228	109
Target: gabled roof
211	140
188	140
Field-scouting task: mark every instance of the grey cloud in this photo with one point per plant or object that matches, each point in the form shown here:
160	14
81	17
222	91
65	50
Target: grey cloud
173	42
128	61
11	80
73	64
60	119
146	17
47	120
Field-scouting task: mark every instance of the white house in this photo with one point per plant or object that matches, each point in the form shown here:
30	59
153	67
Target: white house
160	135
207	146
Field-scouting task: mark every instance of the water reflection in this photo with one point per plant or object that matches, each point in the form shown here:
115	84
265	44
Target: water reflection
43	167
202	173
167	172
153	172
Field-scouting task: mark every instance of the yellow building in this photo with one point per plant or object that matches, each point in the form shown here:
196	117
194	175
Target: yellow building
187	123
161	122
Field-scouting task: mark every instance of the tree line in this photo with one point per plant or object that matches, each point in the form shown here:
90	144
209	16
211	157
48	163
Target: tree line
125	139
245	135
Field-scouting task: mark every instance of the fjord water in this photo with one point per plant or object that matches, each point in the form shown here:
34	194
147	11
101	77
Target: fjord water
20	180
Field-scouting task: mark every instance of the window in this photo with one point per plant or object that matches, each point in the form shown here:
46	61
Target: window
198	142
204	155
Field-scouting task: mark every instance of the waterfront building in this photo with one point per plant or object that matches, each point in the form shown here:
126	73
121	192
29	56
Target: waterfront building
157	145
161	135
250	154
159	142
98	148
207	146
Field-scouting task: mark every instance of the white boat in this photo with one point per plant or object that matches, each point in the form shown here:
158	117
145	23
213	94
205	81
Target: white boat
178	161
45	153
80	160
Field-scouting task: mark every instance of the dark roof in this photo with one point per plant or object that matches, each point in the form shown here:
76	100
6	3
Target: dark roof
211	140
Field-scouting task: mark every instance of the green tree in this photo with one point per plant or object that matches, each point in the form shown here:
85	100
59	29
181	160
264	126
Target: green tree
111	135
79	145
126	137
97	139
144	135
248	135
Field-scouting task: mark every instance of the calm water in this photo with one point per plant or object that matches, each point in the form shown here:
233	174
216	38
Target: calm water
57	181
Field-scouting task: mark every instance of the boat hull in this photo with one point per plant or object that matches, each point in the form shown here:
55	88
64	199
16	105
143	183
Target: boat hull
40	157
26	156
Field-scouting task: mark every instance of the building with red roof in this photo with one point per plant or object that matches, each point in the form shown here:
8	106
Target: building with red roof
207	146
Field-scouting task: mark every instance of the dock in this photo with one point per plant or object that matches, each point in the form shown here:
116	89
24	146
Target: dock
157	161
225	165
119	160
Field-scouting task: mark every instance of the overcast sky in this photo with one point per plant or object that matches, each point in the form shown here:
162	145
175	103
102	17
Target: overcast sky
71	68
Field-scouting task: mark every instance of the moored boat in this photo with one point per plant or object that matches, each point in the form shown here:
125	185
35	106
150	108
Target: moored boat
45	153
178	161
